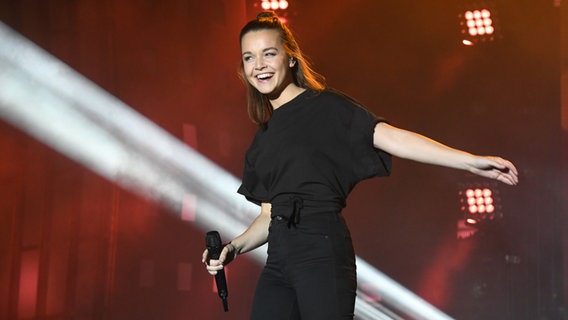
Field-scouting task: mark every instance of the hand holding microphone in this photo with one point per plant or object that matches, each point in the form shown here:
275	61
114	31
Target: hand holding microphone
214	259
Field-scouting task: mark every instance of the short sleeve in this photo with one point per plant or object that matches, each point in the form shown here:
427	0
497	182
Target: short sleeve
367	160
252	187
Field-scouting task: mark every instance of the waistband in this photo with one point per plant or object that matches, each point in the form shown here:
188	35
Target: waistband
292	207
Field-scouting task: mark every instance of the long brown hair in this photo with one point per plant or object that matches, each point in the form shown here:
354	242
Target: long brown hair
303	75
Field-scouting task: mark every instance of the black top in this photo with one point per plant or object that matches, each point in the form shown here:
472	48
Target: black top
317	147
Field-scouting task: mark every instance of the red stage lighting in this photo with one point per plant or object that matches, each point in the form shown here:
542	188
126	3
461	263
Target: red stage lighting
479	203
478	24
274	4
471	221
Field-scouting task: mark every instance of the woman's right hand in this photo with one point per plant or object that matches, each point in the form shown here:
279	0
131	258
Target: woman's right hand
213	266
255	236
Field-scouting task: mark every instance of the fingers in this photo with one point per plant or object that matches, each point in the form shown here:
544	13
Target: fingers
213	265
508	172
506	165
499	169
507	177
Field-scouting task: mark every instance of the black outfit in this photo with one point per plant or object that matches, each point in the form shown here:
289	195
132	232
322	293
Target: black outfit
305	161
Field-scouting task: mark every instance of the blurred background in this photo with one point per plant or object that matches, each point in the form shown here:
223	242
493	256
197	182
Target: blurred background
76	244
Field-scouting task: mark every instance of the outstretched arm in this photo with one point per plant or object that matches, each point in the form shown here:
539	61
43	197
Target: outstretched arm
410	145
255	236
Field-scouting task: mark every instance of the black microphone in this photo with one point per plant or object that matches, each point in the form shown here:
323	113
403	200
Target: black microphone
214	246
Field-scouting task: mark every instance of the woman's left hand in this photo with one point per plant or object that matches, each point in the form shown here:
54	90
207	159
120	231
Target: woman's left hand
495	168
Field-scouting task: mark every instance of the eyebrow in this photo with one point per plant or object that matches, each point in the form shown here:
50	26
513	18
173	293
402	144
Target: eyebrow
264	50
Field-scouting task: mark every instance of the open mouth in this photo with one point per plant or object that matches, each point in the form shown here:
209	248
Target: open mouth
264	76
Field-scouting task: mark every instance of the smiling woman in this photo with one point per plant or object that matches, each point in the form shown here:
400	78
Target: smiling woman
313	146
266	66
276	41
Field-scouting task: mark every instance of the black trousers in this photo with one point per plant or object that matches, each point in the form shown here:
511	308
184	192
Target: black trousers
310	271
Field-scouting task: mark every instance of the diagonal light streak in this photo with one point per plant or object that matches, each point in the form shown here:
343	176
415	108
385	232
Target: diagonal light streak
51	102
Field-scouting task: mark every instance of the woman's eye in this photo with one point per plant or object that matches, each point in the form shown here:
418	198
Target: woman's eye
270	54
247	58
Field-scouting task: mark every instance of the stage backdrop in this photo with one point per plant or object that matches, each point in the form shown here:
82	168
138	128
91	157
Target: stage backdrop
74	245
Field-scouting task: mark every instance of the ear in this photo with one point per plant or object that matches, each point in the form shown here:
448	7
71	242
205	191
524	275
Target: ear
292	62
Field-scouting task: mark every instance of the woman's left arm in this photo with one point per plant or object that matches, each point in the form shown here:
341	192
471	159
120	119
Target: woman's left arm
410	145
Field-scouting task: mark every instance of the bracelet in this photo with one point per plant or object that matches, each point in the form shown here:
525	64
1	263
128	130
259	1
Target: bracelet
234	251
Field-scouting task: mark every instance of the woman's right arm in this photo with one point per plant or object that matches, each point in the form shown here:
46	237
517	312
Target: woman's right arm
255	236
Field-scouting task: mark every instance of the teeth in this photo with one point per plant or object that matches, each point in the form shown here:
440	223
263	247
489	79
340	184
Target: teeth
263	76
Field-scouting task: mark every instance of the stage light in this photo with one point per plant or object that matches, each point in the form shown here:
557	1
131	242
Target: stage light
478	24
274	4
479	203
470	221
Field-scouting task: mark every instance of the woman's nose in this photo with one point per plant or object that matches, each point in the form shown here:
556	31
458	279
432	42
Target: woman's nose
259	64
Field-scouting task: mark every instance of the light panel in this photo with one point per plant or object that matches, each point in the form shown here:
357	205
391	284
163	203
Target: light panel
478	23
480	203
274	5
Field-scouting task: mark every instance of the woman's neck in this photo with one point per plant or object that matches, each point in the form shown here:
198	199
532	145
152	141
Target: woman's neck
289	93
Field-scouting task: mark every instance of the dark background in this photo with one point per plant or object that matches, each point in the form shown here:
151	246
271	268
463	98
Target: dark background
103	253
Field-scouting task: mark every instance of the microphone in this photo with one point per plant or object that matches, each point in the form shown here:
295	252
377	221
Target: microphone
214	246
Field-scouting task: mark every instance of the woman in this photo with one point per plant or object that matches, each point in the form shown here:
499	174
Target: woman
313	146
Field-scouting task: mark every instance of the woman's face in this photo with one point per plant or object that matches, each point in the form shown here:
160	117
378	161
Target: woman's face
266	64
